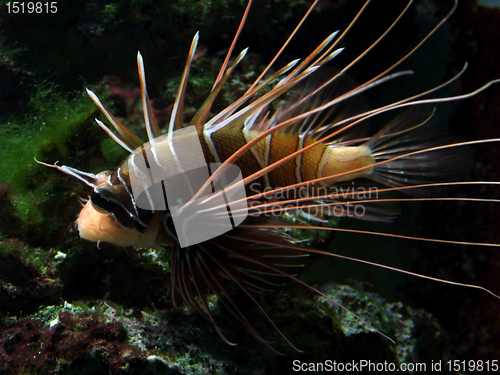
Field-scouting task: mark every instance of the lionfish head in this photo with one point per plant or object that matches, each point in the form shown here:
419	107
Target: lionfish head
109	214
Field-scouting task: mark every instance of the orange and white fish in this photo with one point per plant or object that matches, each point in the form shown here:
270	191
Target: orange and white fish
308	158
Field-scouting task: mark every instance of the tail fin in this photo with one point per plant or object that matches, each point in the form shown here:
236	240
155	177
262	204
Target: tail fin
405	147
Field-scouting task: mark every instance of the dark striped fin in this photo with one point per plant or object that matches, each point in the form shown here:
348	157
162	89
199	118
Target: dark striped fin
253	259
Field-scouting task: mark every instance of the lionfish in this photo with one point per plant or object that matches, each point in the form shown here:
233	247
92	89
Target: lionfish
265	162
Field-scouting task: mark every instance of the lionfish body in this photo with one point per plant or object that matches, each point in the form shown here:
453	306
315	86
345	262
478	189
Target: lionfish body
311	145
128	227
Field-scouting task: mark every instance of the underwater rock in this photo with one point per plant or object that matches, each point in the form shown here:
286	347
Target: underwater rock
106	338
28	278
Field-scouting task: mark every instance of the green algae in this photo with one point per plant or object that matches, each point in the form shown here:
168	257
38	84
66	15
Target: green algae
49	315
112	152
43	134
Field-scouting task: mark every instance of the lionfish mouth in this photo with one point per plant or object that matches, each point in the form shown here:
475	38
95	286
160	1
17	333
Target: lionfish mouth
256	164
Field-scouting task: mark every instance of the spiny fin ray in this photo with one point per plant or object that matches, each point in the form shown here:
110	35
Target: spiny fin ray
130	139
149	118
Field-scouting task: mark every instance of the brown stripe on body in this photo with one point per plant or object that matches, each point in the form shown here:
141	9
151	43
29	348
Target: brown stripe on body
261	152
261	149
226	143
283	145
311	160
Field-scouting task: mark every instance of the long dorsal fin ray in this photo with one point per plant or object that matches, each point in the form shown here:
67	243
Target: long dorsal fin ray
176	120
130	139
149	118
201	115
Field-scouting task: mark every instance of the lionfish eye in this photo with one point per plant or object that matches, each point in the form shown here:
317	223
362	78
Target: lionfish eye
104	200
